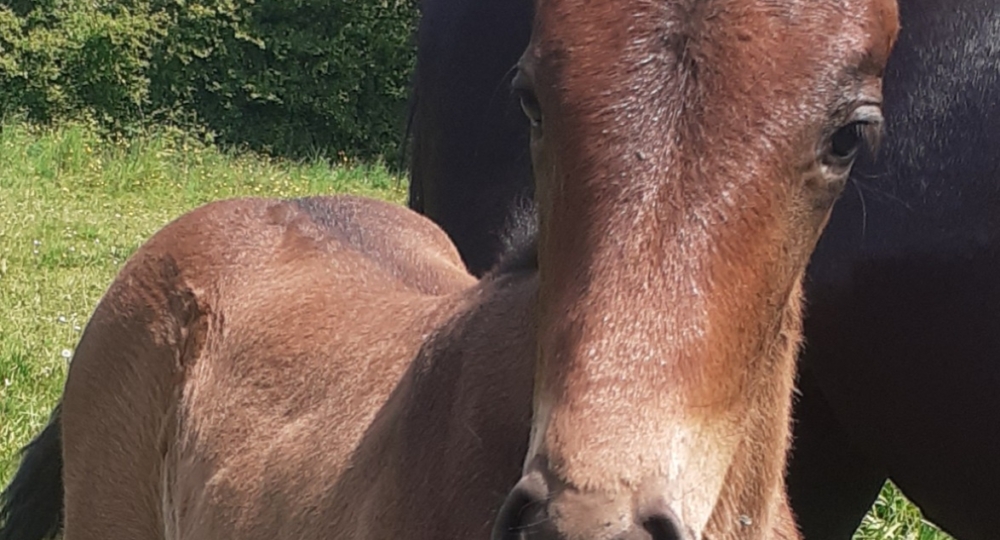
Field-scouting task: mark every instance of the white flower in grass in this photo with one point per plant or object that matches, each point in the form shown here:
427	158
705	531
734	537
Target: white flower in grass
67	354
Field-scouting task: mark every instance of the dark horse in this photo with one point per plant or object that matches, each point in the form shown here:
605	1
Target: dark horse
901	375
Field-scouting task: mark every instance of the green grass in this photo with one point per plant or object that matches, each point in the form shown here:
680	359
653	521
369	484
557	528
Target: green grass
893	517
73	208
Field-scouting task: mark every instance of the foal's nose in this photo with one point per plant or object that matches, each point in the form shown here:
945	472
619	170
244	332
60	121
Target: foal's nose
525	515
661	525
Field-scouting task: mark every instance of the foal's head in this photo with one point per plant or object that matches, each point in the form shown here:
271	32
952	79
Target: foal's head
687	154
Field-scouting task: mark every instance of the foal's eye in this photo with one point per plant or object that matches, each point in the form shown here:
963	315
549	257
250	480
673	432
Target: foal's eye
526	96
846	141
842	147
530	106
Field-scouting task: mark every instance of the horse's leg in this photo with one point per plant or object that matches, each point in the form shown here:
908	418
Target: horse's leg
116	410
831	484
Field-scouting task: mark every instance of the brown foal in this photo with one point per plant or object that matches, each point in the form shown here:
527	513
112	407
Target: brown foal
326	368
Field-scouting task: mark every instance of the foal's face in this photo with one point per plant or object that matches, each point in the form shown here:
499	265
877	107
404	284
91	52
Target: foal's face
687	154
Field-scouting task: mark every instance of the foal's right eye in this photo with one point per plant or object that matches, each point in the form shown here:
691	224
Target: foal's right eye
529	102
530	107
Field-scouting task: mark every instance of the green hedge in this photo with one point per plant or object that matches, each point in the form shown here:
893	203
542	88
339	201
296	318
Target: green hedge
286	76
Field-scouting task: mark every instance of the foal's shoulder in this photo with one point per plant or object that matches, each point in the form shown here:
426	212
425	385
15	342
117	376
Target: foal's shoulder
347	234
407	245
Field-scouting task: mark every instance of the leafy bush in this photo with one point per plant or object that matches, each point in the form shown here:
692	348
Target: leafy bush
69	59
290	77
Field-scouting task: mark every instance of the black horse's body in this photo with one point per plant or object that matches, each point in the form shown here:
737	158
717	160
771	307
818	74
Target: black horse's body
470	149
901	372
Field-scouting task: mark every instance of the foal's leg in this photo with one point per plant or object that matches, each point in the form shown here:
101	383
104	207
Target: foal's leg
830	484
115	411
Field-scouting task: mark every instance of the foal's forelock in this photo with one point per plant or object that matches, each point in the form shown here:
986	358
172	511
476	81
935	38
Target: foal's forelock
671	171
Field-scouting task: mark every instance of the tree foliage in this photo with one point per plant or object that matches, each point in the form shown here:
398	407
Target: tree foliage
286	76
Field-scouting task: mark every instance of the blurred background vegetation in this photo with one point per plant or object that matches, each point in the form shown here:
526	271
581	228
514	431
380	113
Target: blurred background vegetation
293	78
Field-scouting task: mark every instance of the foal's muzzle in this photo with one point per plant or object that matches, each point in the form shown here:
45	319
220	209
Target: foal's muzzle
525	516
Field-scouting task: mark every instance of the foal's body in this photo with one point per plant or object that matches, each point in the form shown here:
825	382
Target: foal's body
253	351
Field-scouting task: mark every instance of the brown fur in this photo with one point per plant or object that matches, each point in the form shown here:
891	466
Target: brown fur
244	377
680	196
328	369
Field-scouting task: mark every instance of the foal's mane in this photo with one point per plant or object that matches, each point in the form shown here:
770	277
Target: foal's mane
519	240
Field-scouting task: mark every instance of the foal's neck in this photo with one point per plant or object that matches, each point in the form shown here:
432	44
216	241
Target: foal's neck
456	431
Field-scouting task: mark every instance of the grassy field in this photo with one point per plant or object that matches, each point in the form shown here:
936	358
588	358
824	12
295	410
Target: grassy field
72	209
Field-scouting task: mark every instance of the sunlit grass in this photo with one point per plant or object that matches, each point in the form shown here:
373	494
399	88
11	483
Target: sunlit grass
893	517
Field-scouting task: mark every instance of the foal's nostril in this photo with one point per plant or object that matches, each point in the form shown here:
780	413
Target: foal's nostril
663	525
523	507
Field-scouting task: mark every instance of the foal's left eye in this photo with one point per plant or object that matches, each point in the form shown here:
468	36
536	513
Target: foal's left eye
846	141
843	146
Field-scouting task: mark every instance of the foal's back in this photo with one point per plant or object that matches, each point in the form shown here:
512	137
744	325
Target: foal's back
238	360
